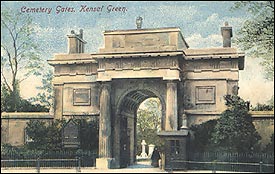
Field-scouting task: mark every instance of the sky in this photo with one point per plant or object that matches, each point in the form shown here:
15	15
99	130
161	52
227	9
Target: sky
199	22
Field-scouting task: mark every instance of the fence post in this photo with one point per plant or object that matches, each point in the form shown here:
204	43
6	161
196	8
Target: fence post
38	165
261	167
78	164
214	166
171	165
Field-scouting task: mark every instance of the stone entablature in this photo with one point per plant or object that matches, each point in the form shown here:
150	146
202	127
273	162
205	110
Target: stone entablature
74	64
139	63
213	59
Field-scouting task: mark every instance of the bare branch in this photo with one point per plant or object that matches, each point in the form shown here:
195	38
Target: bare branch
8	30
26	76
9	58
19	47
5	80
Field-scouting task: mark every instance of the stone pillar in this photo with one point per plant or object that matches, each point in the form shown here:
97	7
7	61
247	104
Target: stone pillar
105	157
58	101
171	120
131	132
116	141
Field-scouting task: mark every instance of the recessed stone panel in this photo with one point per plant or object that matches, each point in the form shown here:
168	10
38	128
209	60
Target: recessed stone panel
82	97
205	94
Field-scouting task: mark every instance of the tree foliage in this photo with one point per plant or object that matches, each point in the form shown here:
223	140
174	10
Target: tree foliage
263	107
48	136
20	57
235	131
22	105
202	134
5	99
89	135
37	131
45	96
257	33
45	136
270	147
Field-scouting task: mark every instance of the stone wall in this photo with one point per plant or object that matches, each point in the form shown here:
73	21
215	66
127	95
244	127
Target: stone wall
13	125
264	124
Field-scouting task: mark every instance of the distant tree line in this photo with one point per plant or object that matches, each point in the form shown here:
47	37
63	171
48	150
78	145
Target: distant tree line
8	101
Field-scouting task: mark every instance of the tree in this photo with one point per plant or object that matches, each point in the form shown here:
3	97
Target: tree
202	136
20	57
5	99
257	33
45	136
54	135
37	131
235	131
48	136
45	97
23	105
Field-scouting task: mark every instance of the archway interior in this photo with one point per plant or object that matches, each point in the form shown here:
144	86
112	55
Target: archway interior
148	124
128	124
133	100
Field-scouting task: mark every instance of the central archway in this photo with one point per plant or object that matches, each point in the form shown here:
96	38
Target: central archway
127	113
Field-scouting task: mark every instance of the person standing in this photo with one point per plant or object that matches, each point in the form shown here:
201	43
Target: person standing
155	158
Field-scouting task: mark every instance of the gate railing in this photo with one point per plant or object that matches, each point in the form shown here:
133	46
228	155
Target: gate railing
220	166
50	159
42	163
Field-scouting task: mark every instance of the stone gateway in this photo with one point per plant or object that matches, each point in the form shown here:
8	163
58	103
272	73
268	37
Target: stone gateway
135	65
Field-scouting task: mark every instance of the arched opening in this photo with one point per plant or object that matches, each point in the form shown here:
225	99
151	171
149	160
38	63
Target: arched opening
128	111
148	125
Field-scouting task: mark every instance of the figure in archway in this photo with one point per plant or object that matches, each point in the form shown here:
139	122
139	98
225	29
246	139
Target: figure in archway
155	158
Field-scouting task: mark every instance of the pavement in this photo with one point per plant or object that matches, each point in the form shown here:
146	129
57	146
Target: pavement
140	167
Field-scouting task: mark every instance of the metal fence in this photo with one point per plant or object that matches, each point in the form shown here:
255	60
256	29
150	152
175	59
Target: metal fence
238	162
42	163
60	159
